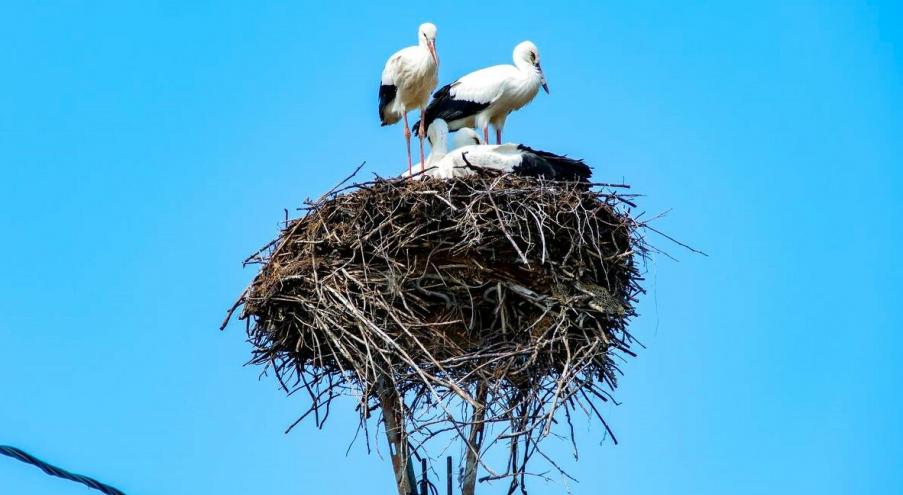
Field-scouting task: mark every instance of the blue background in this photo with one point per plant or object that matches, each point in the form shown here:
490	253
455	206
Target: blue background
147	147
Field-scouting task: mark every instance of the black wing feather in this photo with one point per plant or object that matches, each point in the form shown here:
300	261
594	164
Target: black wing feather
445	107
535	163
387	93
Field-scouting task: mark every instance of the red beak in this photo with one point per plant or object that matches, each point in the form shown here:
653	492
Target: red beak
432	46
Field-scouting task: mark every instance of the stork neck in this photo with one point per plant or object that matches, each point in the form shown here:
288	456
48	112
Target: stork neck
526	68
437	151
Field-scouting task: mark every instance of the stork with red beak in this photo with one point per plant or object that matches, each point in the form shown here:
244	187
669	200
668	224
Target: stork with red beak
488	95
408	78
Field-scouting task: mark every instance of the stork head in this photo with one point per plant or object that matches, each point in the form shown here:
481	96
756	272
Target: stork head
465	137
426	36
526	54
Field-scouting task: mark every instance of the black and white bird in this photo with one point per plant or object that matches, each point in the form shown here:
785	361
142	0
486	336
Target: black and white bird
508	158
488	95
437	138
408	78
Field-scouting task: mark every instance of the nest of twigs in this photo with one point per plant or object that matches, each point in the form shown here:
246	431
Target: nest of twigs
478	306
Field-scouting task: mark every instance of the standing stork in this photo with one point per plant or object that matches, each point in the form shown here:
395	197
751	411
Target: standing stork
408	78
488	95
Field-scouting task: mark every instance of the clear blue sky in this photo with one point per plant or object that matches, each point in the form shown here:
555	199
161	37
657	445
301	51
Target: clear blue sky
147	147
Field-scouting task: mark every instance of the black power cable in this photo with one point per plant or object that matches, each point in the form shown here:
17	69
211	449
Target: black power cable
58	472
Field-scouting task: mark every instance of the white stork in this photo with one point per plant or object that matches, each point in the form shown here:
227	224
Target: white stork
437	138
508	158
408	78
488	95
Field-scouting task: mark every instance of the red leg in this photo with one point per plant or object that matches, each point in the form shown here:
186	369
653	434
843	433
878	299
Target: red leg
407	139
486	134
422	135
498	136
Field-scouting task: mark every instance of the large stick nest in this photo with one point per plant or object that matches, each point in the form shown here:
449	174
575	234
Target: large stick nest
497	294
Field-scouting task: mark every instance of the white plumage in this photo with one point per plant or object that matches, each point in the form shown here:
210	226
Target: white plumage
507	158
437	136
489	95
408	78
465	137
